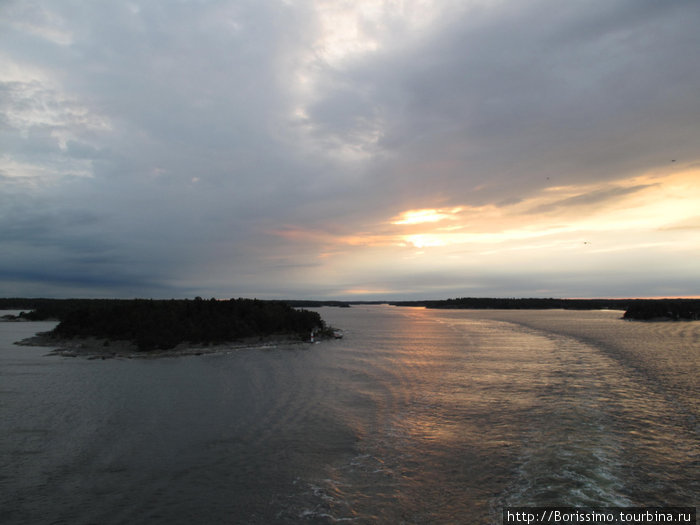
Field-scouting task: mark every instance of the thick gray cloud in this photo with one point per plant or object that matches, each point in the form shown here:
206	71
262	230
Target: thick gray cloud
235	147
537	89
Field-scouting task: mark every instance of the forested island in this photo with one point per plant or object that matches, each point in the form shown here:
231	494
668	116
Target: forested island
163	324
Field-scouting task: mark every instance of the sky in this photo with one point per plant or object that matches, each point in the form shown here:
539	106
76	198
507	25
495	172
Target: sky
360	150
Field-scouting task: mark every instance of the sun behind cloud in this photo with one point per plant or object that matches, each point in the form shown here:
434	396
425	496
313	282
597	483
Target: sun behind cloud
426	215
619	215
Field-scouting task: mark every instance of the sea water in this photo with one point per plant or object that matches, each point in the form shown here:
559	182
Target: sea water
415	416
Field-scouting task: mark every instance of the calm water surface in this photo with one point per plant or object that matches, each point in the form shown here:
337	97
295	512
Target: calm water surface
415	416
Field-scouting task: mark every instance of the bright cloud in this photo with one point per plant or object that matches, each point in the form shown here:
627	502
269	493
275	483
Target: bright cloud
427	215
606	224
646	204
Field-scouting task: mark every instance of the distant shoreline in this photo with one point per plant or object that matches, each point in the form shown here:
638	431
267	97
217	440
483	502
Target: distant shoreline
635	309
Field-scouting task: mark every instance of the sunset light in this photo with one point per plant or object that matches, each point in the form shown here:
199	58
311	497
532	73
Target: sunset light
615	215
421	216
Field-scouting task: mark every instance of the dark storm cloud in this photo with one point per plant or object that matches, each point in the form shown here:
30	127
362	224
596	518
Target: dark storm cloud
190	95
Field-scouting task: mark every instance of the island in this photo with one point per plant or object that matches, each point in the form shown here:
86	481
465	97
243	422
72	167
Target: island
147	325
664	310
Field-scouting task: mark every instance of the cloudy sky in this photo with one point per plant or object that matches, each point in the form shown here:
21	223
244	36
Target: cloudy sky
364	149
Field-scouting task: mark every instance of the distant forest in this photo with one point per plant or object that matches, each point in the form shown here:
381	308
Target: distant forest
639	309
163	324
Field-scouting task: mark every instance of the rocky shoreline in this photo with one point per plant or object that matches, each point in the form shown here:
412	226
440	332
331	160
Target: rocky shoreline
99	348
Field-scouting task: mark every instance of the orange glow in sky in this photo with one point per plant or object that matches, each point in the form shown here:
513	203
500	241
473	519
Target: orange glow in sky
427	215
582	226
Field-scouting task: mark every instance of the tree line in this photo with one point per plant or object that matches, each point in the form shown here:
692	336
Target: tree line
162	324
512	303
673	309
641	309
